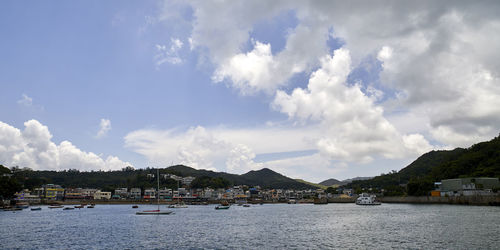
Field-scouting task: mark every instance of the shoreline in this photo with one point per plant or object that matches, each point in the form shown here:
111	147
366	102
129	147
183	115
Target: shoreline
493	200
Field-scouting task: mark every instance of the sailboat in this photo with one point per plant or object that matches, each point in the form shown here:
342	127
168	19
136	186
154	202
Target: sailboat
158	211
179	204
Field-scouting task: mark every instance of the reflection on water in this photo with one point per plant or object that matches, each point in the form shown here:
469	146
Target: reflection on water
266	226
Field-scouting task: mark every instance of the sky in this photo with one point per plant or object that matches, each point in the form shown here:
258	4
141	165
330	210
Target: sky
310	89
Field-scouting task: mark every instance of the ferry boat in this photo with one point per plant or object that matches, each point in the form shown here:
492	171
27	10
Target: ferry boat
367	200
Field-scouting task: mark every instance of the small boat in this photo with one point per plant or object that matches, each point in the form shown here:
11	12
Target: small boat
153	212
80	206
22	205
55	206
91	206
365	199
12	209
68	208
157	211
178	205
135	206
246	205
36	208
222	207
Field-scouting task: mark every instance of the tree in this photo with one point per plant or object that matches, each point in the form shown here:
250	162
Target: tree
331	190
8	185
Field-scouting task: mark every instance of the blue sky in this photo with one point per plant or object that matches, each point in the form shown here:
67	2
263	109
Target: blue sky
300	87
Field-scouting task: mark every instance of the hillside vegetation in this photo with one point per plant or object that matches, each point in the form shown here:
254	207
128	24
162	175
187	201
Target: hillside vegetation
129	177
479	160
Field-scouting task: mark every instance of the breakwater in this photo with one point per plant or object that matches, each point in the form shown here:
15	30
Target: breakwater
492	200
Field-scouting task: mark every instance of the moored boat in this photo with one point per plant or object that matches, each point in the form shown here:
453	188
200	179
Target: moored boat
222	207
68	208
56	206
36	208
80	206
153	212
157	211
135	206
367	200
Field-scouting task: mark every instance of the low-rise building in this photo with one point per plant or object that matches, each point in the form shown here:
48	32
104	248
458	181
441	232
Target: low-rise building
135	193
150	193
165	193
99	195
121	193
467	186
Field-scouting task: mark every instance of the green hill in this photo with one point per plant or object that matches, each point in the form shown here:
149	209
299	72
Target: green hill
330	182
129	178
479	160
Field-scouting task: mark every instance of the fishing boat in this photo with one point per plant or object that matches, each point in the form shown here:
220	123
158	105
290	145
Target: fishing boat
22	205
367	200
157	211
223	205
179	204
36	208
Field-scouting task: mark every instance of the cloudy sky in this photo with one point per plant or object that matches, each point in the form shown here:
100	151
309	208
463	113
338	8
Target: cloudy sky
311	89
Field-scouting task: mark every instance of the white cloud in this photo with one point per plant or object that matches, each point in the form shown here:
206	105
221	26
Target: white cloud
33	148
250	72
439	59
170	54
354	128
105	127
25	100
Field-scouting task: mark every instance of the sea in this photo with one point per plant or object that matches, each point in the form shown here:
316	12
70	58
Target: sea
268	226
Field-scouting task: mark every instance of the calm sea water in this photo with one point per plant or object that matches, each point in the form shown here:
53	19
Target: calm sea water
300	226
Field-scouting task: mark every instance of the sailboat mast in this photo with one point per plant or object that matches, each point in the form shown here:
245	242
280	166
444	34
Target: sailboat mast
158	189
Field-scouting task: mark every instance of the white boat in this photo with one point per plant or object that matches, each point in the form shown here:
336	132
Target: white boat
178	205
153	212
367	200
157	211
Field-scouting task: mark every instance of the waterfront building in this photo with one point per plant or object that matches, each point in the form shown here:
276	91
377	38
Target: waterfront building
99	195
149	193
26	196
135	193
74	194
121	193
467	186
165	193
88	193
52	192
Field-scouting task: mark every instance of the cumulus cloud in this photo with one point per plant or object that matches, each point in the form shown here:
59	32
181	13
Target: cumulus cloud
25	100
33	148
354	127
105	127
438	59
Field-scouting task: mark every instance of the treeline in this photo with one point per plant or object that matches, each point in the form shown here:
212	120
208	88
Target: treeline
479	160
105	180
129	177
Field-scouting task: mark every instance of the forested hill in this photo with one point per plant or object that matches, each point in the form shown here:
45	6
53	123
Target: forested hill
129	177
479	160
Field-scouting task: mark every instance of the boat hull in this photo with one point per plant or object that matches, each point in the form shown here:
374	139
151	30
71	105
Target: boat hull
153	212
221	207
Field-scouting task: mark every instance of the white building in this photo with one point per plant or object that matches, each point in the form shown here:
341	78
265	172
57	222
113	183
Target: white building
99	195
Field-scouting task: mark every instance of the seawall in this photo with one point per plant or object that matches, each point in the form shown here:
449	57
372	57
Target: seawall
493	200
